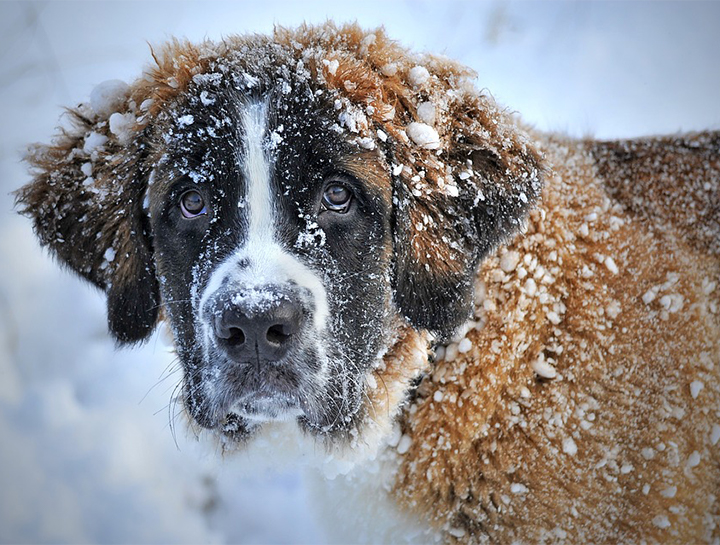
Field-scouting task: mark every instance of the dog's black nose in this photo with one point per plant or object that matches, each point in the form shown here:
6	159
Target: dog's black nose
258	327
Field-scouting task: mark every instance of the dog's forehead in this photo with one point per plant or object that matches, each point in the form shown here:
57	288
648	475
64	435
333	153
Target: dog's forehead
204	135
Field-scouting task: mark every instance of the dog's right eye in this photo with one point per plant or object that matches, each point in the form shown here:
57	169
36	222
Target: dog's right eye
337	198
192	204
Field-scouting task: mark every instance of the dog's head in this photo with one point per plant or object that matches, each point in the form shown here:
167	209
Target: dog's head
294	206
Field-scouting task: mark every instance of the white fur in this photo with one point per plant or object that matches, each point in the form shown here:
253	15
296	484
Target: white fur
268	262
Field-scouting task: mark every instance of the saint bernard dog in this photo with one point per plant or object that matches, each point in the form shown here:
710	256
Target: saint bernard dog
350	240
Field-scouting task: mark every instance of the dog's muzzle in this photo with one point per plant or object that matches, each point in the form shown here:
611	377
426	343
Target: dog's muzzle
259	352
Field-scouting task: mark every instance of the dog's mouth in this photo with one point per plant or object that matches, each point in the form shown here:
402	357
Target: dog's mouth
251	411
266	406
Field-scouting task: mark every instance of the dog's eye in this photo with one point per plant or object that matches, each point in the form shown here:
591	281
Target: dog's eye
192	204
337	198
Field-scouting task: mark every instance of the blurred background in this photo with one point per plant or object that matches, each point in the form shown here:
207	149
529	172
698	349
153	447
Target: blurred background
86	451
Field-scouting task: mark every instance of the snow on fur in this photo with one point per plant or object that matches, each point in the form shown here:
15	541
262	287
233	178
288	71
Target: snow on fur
586	333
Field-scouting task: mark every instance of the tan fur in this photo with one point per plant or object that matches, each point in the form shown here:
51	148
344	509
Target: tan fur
624	373
568	415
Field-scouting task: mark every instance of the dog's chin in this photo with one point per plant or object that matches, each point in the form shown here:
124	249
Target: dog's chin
248	414
266	408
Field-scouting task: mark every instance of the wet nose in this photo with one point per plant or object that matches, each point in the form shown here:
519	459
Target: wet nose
251	328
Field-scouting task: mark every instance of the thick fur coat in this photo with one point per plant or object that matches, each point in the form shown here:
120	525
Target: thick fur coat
546	365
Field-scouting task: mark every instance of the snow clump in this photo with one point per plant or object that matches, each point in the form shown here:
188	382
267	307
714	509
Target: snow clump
121	126
418	75
715	434
108	97
332	65
543	368
569	446
186	120
94	141
423	135
661	521
695	387
426	113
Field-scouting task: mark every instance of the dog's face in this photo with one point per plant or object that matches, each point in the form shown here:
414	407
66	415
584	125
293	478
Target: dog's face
272	238
292	205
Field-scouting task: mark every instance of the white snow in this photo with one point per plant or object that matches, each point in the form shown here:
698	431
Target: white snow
672	302
423	135
86	453
649	296
418	75
93	142
389	69
669	492
569	446
694	460
185	120
108	97
611	266
715	434
509	261
518	488
404	444
613	309
464	345
426	113
661	521
121	126
542	368
332	65
695	387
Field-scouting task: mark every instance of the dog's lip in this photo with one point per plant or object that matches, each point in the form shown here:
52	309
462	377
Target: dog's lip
266	406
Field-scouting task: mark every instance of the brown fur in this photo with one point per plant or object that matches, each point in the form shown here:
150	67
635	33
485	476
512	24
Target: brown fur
613	286
624	372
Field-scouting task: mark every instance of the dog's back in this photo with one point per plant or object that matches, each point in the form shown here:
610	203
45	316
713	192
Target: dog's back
583	403
671	183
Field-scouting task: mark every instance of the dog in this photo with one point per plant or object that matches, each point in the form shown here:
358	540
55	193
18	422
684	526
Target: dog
349	240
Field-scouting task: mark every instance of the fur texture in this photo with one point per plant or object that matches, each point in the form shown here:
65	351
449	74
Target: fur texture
573	393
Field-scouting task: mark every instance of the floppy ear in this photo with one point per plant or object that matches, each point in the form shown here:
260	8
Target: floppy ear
86	202
459	192
87	196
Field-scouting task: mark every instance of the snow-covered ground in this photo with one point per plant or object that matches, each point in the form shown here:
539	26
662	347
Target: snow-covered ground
86	451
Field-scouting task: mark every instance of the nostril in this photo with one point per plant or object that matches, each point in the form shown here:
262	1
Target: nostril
278	334
236	336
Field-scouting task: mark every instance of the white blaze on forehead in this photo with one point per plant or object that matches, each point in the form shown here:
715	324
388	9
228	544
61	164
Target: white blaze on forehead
261	261
256	168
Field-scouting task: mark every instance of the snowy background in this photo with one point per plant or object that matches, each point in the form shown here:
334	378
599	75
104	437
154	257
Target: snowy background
86	453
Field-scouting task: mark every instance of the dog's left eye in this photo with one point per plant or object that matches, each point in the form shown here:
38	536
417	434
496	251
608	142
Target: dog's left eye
192	204
337	198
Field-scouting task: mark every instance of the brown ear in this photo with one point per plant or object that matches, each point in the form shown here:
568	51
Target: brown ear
87	196
454	207
86	202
